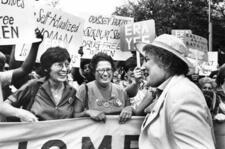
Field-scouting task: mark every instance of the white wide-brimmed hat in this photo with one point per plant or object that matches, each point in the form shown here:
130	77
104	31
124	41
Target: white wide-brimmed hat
170	43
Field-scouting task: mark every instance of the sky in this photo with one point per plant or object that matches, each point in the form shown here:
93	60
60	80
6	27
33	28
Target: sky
104	7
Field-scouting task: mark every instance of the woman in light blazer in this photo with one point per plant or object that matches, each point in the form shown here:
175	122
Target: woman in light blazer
179	118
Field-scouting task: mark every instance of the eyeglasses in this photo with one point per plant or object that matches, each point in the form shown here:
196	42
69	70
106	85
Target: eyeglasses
61	65
102	71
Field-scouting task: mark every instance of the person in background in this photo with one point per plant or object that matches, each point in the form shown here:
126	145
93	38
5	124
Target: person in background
47	98
219	109
101	97
82	74
178	117
206	84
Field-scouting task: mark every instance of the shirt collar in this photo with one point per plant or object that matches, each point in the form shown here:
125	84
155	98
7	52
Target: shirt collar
164	84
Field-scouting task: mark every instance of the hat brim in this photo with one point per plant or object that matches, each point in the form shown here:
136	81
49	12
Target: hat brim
141	45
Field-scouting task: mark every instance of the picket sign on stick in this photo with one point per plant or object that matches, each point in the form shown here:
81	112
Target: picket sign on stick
138	59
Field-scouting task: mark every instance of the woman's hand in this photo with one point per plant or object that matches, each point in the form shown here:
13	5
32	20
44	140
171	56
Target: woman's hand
125	114
97	115
26	116
138	74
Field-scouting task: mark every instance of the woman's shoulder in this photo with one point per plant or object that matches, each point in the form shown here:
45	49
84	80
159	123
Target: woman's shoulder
32	83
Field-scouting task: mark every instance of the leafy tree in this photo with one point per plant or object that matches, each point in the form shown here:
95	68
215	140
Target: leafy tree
177	14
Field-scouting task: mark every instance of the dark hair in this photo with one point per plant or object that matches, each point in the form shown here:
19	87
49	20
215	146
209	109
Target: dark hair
100	57
84	62
220	76
167	60
52	55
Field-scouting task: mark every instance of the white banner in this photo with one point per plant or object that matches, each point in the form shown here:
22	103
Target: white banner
16	22
77	133
102	33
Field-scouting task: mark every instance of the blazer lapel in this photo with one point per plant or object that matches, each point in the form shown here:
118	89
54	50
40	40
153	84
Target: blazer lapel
154	112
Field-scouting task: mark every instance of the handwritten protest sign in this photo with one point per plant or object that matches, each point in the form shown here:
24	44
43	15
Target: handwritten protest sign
198	49
211	65
143	31
59	29
197	46
16	22
102	33
79	133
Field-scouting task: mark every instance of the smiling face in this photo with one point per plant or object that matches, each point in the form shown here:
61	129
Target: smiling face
59	71
103	73
156	74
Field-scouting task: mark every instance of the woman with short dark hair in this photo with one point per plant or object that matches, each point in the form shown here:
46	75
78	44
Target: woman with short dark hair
101	97
47	98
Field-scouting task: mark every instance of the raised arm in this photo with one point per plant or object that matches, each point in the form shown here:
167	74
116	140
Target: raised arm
27	65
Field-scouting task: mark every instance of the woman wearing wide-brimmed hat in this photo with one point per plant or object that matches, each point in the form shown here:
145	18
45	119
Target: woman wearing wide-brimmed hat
179	118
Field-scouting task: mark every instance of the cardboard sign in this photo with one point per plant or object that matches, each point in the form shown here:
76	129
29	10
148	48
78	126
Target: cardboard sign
143	31
59	29
78	133
16	22
211	65
102	34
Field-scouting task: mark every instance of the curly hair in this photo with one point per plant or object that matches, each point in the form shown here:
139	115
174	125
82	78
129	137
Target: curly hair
205	80
100	57
168	61
52	55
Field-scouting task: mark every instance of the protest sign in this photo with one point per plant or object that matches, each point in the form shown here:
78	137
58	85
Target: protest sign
197	45
180	32
143	31
211	65
16	22
59	29
79	133
198	49
102	34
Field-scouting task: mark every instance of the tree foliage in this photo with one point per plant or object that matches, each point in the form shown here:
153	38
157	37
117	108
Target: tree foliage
180	14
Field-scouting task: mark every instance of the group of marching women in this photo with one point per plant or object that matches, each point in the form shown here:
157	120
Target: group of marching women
51	96
177	114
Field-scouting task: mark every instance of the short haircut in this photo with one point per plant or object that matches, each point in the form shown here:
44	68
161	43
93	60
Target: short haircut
100	57
53	55
84	62
167	60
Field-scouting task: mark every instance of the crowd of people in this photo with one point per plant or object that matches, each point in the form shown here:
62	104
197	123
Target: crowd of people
161	89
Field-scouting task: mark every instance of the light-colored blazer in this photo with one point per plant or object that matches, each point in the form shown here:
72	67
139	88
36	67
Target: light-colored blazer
180	119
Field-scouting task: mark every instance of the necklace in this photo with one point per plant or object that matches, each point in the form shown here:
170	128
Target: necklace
108	99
